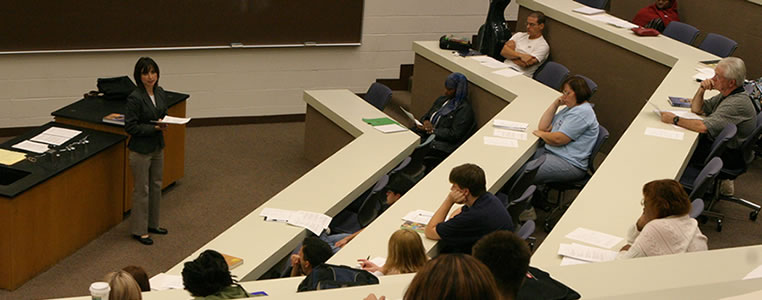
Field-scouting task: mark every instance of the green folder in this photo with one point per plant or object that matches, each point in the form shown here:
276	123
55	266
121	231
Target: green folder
380	121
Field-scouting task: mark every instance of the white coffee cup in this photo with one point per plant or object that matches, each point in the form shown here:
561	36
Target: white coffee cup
100	290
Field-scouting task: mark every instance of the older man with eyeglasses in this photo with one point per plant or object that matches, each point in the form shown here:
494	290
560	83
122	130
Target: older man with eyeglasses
525	51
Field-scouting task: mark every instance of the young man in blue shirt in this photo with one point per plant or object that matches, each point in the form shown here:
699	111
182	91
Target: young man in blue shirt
481	213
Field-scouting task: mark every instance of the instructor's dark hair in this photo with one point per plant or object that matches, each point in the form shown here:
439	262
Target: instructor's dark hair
207	274
143	66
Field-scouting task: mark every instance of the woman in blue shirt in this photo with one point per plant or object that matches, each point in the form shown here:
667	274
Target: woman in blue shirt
569	135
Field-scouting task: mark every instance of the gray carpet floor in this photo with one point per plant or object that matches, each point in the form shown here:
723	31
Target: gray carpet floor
230	171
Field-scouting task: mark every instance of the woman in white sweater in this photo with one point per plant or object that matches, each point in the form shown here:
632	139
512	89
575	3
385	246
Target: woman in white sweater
664	227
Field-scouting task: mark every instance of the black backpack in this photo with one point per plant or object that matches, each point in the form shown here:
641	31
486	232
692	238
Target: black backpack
539	285
328	276
115	88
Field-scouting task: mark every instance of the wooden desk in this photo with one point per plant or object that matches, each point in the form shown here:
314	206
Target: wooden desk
61	205
528	99
327	188
89	112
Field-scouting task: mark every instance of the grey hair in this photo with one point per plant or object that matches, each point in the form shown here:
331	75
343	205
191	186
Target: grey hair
734	69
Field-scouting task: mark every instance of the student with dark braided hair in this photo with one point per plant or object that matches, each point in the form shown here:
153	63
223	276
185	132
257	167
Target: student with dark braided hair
207	277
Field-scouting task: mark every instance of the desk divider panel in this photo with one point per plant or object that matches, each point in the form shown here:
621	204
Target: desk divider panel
625	79
322	137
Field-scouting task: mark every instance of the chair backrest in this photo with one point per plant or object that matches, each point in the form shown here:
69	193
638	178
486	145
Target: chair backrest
747	147
705	178
370	207
590	84
405	162
718	45
525	198
697	207
681	32
525	178
526	230
378	95
552	74
721	141
601	4
603	135
427	141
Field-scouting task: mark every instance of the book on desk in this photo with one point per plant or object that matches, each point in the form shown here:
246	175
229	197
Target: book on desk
114	118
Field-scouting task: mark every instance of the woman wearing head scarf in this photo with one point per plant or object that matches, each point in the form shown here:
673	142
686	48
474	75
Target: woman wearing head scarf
657	15
450	119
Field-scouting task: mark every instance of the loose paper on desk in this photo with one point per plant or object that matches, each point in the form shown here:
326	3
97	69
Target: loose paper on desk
756	273
756	295
587	10
276	215
55	136
596	238
511	125
419	216
489	62
684	114
511	134
173	120
314	222
389	128
664	133
568	261
410	116
509	72
8	157
586	253
704	74
163	281
31	146
502	142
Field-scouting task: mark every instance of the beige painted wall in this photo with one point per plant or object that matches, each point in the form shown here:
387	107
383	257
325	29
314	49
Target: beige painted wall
241	82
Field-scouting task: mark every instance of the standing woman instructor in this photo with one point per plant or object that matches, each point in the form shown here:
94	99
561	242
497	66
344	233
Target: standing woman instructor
146	103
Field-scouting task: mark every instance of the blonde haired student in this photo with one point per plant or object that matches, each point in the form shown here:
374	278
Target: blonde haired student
123	286
406	255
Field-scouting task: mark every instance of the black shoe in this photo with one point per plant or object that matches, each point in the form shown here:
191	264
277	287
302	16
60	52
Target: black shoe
158	230
143	240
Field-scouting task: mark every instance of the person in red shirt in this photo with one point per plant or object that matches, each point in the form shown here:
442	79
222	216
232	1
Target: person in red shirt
657	15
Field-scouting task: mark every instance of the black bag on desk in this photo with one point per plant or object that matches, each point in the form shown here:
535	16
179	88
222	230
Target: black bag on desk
115	88
539	285
327	276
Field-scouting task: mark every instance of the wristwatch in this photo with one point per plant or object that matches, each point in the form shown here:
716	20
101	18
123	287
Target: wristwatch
675	120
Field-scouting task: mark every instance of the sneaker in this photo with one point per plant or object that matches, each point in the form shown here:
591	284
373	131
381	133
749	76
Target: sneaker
527	215
727	188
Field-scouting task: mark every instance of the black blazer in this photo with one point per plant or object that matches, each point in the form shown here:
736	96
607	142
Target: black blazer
452	129
138	116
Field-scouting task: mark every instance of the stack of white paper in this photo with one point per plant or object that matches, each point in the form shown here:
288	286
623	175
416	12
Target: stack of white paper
502	142
586	253
621	23
389	128
509	72
596	238
489	62
510	125
314	222
516	135
31	146
664	133
419	216
164	281
173	120
704	74
588	10
55	136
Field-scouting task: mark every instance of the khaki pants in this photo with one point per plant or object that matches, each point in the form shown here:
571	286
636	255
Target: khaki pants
147	170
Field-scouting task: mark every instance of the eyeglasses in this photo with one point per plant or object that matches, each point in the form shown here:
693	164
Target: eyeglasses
532	24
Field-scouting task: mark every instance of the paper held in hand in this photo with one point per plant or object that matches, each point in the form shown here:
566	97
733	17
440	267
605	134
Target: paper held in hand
411	117
173	120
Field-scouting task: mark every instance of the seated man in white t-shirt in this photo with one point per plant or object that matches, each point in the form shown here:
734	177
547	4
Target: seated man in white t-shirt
525	51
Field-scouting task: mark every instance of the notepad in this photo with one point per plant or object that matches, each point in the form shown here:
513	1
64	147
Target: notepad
8	157
664	133
501	142
55	136
419	216
389	128
593	237
163	281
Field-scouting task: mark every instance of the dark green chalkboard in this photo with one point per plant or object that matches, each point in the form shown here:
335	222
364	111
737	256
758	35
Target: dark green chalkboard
112	24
